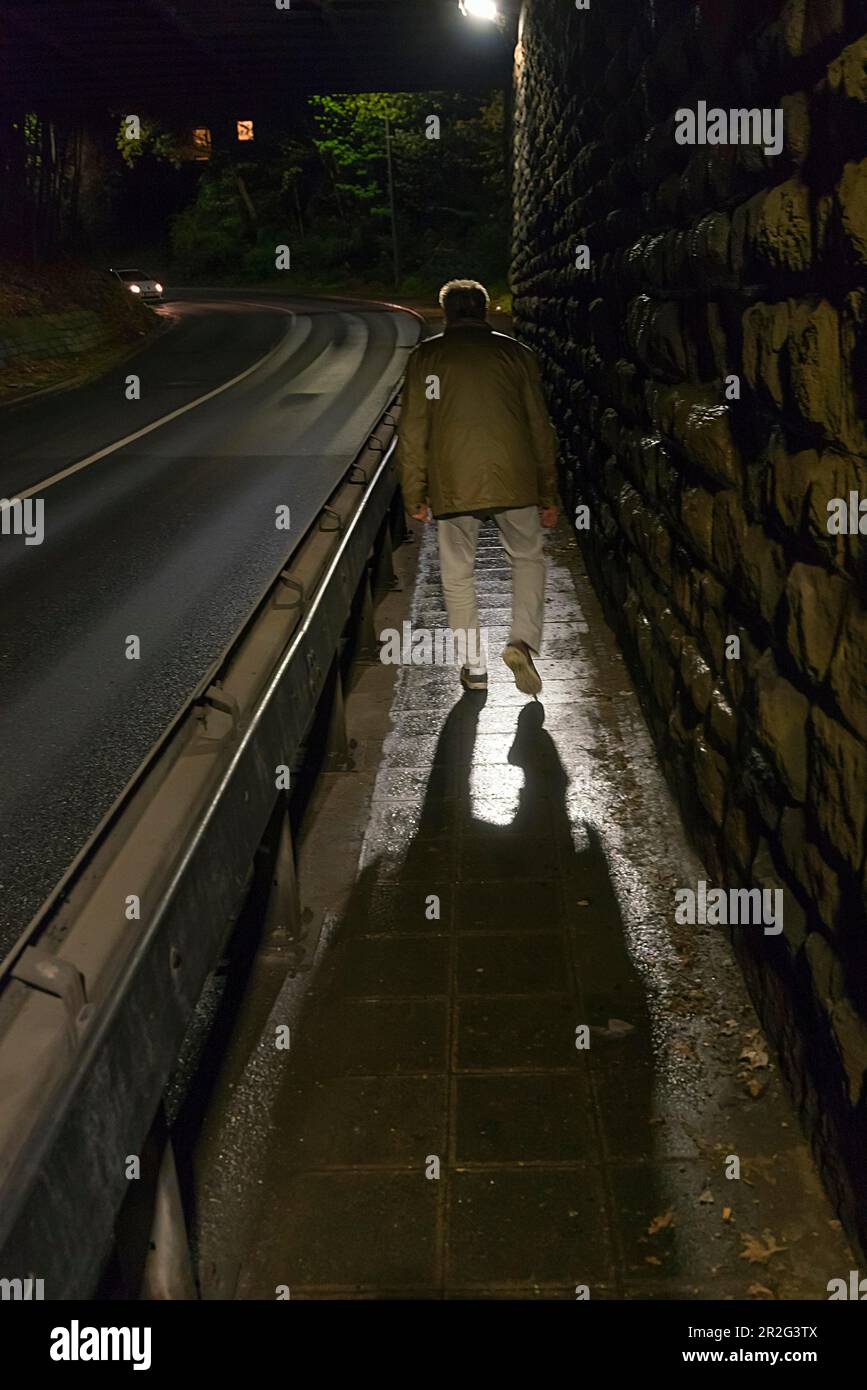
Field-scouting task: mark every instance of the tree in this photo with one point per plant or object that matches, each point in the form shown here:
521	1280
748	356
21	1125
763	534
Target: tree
155	138
326	180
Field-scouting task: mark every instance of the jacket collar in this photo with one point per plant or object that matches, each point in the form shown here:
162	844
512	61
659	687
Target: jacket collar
468	323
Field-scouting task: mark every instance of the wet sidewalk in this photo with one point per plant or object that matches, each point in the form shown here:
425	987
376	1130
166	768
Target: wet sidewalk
437	1132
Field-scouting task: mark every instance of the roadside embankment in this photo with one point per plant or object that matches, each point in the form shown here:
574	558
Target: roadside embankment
63	323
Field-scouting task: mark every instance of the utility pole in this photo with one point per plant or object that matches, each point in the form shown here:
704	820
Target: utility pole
394	249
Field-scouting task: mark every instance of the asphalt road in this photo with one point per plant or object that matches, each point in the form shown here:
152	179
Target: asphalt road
170	537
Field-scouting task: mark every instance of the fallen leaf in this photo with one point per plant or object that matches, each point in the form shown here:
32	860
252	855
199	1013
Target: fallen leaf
706	1196
758	1250
652	1260
760	1291
659	1223
754	1056
726	1213
755	1085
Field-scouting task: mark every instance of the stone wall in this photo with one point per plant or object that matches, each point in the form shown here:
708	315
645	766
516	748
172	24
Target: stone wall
65	334
708	377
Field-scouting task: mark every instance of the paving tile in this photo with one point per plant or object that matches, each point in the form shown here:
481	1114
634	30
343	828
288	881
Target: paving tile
525	1033
368	1121
413	784
411	724
527	1225
430	688
616	995
556	692
624	1086
512	964
348	1229
374	1037
493	748
522	1119
496	854
423	751
495	779
395	857
501	719
525	905
396	966
408	906
405	825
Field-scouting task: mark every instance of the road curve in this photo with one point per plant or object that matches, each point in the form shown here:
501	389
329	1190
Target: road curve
170	538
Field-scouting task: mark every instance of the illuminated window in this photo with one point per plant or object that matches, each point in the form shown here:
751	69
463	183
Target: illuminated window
245	130
201	142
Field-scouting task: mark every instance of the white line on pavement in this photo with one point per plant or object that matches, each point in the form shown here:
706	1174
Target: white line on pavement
164	419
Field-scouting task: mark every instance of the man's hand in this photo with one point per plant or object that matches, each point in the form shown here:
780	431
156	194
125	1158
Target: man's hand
422	513
548	517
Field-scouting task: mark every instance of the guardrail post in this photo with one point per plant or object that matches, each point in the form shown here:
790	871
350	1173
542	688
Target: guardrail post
366	640
337	757
168	1272
283	910
400	532
384	576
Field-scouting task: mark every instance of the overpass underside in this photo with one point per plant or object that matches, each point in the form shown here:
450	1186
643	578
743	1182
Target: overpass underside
206	56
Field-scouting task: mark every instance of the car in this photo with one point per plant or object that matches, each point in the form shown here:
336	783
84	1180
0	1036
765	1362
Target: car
140	283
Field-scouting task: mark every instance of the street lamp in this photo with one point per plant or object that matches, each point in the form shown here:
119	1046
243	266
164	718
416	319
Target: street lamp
479	9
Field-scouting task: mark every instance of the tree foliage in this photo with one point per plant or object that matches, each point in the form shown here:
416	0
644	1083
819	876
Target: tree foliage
323	188
156	138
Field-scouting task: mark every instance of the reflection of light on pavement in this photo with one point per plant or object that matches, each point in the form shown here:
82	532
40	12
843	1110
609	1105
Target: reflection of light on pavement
580	837
495	791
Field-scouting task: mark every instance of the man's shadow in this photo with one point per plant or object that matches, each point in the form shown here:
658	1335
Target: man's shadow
565	868
535	873
582	901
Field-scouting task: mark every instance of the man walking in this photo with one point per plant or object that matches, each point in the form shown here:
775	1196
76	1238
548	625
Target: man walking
476	441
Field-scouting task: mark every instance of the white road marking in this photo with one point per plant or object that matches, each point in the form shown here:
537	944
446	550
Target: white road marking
164	419
336	364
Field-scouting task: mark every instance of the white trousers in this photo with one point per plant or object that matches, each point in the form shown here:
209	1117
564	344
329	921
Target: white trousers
521	538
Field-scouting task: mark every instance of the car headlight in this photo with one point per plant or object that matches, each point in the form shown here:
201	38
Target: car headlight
158	287
135	289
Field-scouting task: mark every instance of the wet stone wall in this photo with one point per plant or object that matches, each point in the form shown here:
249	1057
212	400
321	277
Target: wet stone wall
700	315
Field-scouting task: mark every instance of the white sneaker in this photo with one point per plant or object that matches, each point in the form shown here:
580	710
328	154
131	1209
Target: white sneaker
473	680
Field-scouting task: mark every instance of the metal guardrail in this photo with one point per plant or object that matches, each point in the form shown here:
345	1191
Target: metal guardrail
96	996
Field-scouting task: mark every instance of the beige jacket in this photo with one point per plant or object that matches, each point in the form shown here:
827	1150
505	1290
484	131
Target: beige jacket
475	431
